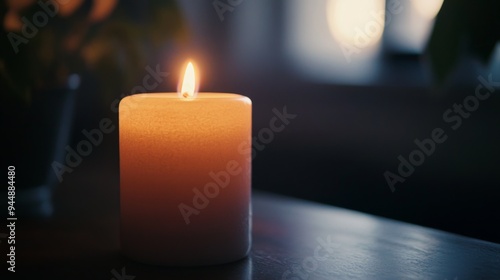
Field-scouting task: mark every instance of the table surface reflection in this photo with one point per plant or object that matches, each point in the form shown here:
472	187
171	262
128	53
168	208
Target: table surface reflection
292	239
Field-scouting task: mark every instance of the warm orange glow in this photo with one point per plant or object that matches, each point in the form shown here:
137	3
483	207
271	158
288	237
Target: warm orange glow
189	88
102	9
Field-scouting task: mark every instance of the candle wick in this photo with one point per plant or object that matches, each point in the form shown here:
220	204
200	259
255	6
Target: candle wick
185	95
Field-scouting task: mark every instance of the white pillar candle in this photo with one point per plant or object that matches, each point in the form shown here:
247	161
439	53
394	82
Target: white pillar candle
185	171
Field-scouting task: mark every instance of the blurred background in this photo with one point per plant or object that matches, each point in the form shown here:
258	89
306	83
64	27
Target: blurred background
365	78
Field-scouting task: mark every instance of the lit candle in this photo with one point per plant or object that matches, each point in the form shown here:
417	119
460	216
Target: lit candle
185	168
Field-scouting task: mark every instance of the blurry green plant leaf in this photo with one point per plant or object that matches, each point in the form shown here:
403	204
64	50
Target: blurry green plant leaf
114	50
463	28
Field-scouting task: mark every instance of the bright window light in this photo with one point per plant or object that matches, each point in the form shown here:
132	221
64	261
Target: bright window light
356	21
427	8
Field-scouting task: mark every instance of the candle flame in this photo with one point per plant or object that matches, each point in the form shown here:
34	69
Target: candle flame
189	88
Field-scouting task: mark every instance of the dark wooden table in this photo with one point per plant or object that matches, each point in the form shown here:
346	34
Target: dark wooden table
292	239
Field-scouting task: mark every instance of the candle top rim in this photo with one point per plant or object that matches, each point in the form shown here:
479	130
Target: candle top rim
201	95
